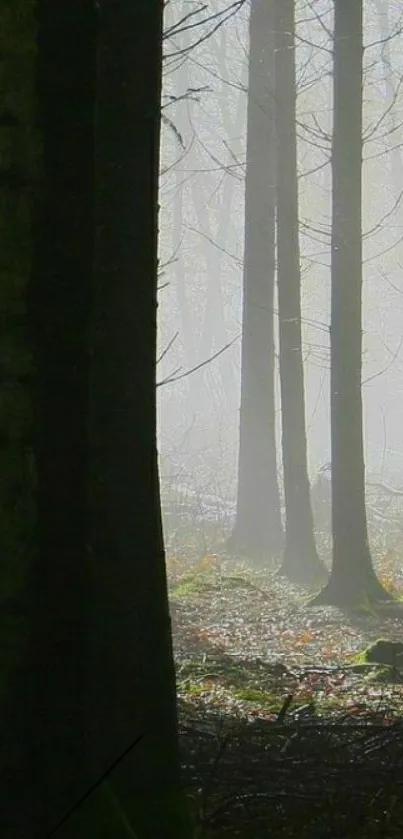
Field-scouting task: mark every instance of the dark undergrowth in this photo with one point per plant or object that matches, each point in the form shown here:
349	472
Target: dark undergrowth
336	776
291	721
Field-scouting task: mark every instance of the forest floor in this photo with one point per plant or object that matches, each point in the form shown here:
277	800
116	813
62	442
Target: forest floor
283	722
245	639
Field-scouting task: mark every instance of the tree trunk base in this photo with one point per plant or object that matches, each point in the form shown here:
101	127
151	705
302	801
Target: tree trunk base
352	595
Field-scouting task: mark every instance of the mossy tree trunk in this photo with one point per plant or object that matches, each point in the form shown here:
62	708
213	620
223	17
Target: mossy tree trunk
353	579
132	670
301	563
258	528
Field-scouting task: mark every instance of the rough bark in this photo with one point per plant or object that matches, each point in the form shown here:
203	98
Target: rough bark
258	527
132	672
300	563
352	580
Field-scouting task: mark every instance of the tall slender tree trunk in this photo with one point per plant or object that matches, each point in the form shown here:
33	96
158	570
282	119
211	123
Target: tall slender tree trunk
258	528
132	672
300	559
186	313
214	329
178	114
54	690
352	580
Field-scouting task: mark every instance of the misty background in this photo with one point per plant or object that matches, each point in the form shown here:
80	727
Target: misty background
202	240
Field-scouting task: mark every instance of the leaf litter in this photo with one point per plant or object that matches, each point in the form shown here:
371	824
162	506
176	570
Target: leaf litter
246	639
282	726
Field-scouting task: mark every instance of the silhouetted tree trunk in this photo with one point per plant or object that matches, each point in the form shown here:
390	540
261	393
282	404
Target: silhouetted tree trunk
132	672
17	170
300	560
54	688
352	578
258	528
17	167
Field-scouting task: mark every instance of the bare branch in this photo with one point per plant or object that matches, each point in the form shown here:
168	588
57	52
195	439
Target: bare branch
174	378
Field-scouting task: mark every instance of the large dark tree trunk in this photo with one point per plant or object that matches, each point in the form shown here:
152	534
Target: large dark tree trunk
53	692
352	580
132	671
258	528
301	563
17	167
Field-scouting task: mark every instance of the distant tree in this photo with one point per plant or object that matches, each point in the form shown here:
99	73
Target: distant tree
132	680
321	495
300	559
352	580
258	527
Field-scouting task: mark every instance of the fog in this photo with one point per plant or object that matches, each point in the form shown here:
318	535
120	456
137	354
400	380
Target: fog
202	242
